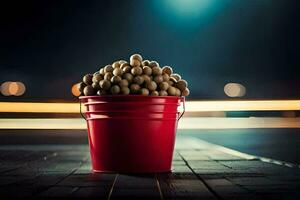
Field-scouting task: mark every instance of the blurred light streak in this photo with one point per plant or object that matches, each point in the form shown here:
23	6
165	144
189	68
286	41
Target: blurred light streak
238	123
184	123
29	107
190	106
247	105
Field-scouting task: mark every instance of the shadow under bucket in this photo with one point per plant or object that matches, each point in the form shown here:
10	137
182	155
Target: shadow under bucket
132	133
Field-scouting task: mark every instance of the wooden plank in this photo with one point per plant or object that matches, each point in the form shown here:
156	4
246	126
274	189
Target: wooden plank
58	192
228	190
88	180
81	186
51	171
135	186
183	186
92	192
182	183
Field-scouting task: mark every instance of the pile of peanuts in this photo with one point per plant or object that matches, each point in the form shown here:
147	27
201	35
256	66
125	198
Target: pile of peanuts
138	77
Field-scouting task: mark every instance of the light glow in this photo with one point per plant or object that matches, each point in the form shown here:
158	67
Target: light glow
240	105
75	91
28	107
190	106
4	88
13	88
189	8
10	88
184	123
186	13
234	90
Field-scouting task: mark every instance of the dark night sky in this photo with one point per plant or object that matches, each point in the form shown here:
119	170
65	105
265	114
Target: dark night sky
49	45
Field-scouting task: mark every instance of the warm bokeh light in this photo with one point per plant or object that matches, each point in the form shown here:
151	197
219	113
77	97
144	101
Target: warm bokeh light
21	89
10	88
190	106
4	88
234	90
75	91
13	88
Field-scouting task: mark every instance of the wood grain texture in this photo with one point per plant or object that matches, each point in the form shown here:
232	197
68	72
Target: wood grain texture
198	172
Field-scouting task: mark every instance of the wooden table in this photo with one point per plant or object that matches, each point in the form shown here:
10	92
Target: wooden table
200	171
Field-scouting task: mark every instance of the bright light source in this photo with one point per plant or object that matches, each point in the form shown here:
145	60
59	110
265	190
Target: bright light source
234	90
189	8
187	13
75	91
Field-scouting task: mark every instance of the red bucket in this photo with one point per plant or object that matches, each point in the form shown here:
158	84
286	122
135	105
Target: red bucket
131	134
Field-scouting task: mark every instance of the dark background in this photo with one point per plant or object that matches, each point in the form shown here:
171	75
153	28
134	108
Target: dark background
49	45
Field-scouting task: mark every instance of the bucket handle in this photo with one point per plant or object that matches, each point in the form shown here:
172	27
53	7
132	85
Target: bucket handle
183	105
82	115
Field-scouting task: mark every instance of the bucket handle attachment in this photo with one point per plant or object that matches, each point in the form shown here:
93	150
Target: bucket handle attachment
183	105
82	115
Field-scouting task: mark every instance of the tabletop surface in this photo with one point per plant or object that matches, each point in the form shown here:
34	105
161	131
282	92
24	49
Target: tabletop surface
200	170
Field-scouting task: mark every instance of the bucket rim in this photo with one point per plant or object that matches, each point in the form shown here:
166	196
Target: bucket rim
85	99
133	118
128	103
131	95
130	111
